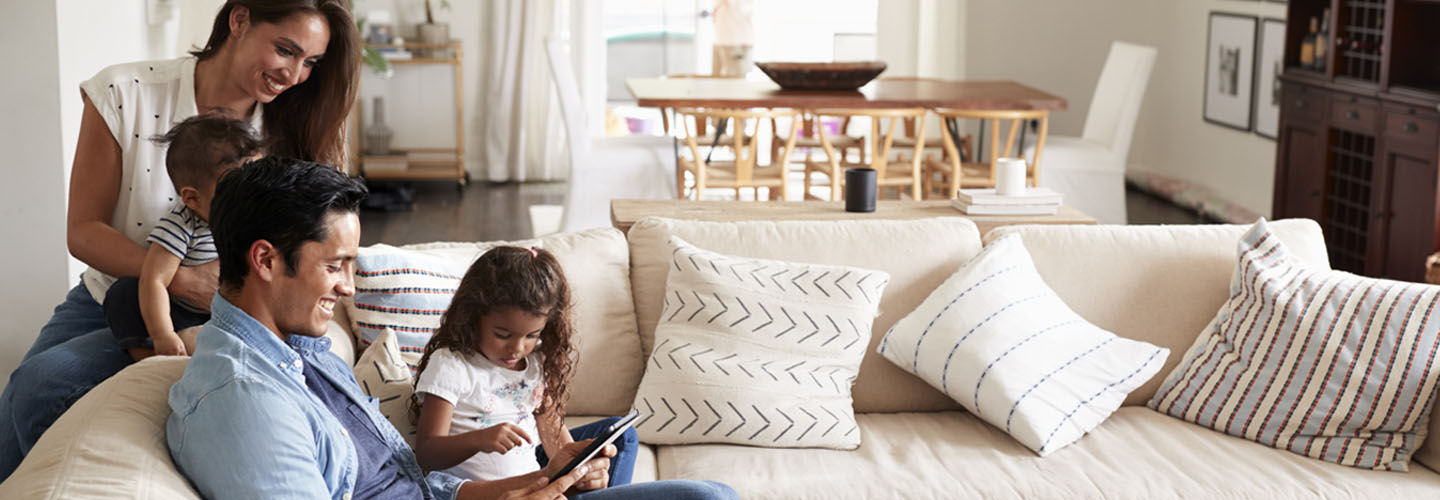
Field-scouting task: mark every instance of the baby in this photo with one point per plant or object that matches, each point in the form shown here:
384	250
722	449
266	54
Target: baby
142	315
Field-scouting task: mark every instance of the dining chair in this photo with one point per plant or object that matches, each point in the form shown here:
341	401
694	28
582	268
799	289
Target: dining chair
739	164
601	169
1090	170
841	140
956	173
889	173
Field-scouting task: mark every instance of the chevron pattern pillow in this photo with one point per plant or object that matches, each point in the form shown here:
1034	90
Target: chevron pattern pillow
999	341
757	352
1323	363
383	374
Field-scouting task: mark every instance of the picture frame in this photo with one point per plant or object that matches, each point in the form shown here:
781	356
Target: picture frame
1229	70
1269	61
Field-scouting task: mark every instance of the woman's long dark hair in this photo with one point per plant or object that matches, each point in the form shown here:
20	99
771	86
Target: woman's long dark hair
528	279
306	121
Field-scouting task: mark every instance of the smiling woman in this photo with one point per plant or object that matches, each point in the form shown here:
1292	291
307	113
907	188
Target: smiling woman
264	48
288	68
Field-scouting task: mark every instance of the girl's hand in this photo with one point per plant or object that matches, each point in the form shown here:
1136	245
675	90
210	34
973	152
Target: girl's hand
169	345
500	438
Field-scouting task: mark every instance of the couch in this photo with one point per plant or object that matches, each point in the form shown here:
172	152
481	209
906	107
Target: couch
1159	284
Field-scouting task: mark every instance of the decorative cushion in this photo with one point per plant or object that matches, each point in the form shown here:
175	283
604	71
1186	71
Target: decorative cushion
758	352
1322	363
999	341
403	293
383	373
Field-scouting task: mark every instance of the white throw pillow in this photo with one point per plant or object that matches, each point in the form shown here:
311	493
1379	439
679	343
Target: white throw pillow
999	341
384	374
757	352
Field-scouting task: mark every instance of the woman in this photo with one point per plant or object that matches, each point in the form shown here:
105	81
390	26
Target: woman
289	67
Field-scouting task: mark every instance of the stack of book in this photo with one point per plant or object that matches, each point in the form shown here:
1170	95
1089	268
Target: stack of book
1035	201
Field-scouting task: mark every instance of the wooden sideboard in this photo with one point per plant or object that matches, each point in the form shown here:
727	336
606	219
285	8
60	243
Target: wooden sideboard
1358	141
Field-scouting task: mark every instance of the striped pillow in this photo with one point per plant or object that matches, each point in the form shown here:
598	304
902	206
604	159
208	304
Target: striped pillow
403	292
1322	363
997	339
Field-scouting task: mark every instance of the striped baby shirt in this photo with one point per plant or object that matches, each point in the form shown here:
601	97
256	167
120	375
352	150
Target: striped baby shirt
185	234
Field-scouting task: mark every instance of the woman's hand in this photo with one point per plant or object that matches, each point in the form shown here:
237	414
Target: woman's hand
196	285
599	475
500	438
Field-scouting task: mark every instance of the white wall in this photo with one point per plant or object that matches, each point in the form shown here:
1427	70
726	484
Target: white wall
65	42
1059	46
32	202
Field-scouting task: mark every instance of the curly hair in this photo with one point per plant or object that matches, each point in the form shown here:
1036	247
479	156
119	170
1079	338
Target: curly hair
528	279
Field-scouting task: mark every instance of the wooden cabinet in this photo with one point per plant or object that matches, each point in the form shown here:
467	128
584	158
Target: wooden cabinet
1360	138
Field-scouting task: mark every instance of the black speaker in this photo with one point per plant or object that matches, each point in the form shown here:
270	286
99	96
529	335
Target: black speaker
859	190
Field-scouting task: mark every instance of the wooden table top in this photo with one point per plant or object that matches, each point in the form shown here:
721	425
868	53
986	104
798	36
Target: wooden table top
881	93
624	213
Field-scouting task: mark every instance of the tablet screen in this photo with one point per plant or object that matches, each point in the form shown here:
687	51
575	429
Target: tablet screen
611	434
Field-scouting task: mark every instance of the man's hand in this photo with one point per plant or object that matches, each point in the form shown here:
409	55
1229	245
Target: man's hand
500	438
543	489
196	285
599	475
169	344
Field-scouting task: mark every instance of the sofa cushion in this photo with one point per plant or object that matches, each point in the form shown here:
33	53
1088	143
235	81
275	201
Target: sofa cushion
999	341
917	254
1323	363
757	351
1156	284
597	264
1137	453
383	373
111	444
401	293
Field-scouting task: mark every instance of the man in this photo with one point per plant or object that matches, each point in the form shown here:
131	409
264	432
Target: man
264	410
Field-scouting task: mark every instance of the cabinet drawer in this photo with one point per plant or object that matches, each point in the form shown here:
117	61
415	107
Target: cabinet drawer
1411	125
1302	103
1352	112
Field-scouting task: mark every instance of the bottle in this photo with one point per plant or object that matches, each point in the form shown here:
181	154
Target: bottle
1307	47
1322	40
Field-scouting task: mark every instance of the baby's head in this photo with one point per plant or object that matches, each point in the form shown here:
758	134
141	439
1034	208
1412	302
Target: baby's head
202	148
511	302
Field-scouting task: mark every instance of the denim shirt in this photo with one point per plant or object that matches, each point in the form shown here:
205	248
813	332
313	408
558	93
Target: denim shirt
244	424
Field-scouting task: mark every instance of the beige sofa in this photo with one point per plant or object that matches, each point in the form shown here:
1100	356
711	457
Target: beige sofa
1160	284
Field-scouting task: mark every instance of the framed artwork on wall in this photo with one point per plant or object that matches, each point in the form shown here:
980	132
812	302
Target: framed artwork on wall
1229	70
1267	77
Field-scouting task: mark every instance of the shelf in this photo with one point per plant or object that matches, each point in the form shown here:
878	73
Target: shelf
418	60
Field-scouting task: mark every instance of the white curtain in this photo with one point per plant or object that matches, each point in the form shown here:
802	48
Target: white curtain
519	121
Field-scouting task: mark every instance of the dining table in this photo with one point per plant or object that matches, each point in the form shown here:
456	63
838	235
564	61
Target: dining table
931	93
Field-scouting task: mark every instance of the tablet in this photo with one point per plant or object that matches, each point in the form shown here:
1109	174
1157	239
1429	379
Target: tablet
609	436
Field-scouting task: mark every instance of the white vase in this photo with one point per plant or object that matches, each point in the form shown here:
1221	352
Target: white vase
435	33
378	134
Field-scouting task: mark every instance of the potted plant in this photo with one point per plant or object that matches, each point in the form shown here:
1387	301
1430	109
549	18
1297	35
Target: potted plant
435	33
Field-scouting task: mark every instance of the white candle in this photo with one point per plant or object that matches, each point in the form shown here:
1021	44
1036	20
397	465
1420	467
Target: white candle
1010	176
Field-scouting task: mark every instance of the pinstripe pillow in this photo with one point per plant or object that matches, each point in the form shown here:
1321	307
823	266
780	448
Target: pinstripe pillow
999	341
402	292
1322	363
757	352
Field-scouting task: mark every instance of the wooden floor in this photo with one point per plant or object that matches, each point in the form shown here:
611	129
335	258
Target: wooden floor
493	212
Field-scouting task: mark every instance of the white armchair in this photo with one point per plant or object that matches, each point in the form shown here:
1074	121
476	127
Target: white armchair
1090	169
600	169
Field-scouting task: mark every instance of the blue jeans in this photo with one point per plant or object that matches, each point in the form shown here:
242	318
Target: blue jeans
622	469
74	353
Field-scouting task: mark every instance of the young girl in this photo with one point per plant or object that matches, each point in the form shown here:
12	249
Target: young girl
495	377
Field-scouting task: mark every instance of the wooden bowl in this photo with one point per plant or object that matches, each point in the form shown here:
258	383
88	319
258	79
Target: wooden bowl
822	76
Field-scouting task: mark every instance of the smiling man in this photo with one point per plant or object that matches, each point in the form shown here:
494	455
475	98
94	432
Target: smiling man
265	410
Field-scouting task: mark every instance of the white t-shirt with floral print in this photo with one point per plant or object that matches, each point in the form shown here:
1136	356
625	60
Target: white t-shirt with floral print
485	394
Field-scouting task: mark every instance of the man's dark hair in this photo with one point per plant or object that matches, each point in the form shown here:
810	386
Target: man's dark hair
280	200
203	146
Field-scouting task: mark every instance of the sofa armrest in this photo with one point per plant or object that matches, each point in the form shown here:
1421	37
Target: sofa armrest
111	444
